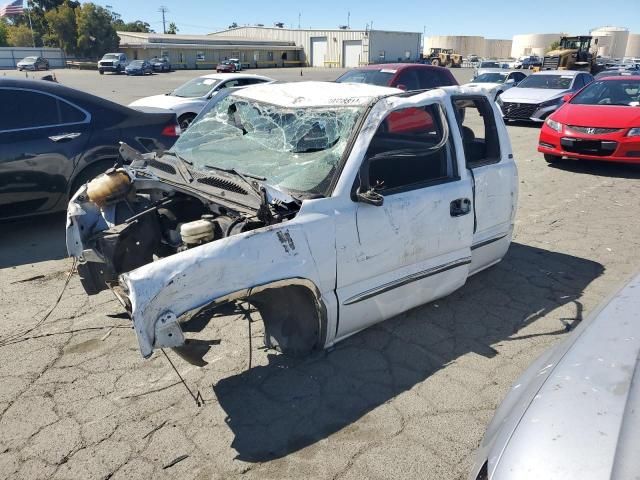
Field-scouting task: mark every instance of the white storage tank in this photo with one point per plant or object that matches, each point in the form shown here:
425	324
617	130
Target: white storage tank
612	41
633	46
533	43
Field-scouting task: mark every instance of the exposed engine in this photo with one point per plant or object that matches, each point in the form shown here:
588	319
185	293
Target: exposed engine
140	216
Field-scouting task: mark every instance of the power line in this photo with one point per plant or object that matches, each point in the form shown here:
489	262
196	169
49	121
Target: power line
164	10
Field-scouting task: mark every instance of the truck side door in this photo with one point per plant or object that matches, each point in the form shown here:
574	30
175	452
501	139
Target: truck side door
416	246
488	158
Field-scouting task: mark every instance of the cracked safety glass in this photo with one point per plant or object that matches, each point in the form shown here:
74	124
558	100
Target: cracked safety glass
295	149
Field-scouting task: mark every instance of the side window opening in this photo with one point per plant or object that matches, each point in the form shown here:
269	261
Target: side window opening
409	78
32	110
410	150
479	132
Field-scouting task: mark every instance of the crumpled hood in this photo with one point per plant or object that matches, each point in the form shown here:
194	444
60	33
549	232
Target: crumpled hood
161	101
531	95
604	116
582	422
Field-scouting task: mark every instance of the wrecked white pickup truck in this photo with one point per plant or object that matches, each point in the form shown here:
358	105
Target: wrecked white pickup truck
329	207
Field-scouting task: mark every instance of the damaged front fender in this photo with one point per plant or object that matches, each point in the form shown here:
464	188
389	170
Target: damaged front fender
229	269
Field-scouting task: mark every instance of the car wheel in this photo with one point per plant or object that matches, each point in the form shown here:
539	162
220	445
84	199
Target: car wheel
101	72
552	158
185	120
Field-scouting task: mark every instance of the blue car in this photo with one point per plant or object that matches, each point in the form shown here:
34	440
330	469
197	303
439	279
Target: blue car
139	67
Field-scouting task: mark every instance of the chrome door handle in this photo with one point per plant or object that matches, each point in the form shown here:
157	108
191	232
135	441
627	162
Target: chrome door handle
460	207
64	137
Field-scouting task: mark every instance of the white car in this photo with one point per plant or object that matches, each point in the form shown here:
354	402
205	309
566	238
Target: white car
540	94
328	206
495	81
187	100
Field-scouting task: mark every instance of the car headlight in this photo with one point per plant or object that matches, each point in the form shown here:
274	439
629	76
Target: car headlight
553	125
634	132
551	103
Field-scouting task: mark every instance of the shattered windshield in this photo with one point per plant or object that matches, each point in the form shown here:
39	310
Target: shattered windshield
295	149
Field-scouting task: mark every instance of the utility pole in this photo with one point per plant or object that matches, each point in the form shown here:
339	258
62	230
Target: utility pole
164	10
299	17
348	19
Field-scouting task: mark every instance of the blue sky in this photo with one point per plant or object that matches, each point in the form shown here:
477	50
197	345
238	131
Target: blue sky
489	18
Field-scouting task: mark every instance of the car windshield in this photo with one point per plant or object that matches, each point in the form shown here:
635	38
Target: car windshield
198	87
491	78
489	65
372	77
610	92
111	56
136	63
29	59
295	149
551	82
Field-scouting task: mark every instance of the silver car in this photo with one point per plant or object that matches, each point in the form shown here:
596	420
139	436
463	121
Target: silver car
33	63
575	413
540	94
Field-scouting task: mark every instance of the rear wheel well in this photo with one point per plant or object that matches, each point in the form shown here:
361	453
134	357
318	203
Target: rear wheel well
294	320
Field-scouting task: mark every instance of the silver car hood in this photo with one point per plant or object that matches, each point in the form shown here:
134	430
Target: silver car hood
531	95
575	413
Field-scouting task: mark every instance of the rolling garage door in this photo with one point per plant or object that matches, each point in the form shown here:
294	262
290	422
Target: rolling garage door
351	51
318	51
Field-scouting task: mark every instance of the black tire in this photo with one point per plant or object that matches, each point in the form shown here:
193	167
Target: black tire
185	120
552	158
100	71
118	70
90	172
436	62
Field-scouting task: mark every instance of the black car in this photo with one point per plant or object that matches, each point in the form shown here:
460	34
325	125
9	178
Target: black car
161	64
53	139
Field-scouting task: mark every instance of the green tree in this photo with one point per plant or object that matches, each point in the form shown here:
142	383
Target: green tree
554	46
137	26
173	28
19	36
4	33
96	35
63	31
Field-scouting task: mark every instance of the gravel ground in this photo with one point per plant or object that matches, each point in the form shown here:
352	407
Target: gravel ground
409	398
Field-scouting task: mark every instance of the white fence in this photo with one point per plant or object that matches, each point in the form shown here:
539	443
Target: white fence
10	56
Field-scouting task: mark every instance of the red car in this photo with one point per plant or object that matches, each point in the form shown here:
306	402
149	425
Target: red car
600	122
405	76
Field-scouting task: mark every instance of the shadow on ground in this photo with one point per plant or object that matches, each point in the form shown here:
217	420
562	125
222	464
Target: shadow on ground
601	169
277	409
32	240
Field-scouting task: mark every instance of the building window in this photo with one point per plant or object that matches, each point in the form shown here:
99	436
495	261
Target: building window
181	57
407	55
199	56
256	56
381	55
269	55
164	53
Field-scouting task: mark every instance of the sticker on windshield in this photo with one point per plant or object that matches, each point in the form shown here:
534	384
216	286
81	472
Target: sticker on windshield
388	70
208	81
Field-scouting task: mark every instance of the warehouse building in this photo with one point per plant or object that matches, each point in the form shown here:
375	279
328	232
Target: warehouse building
205	52
337	48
